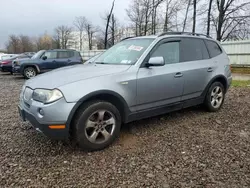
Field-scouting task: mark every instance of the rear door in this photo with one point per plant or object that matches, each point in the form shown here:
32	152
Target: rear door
196	67
63	58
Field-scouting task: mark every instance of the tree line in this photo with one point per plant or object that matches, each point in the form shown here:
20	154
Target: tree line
222	19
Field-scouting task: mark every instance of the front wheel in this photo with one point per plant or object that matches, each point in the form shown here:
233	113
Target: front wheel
97	125
29	72
215	97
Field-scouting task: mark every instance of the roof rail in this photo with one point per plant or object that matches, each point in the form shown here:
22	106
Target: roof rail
127	38
183	33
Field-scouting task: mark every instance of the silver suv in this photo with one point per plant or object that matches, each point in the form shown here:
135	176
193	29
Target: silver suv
137	78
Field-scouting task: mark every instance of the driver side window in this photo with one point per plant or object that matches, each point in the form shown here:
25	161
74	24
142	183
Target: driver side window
169	51
50	55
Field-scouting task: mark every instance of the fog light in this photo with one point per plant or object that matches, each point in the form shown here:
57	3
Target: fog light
41	112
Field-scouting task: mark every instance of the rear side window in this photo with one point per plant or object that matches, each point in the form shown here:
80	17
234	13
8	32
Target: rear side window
213	48
64	54
193	50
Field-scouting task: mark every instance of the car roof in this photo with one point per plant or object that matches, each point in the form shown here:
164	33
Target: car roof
61	50
173	34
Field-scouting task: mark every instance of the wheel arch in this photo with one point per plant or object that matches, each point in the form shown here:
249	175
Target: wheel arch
30	65
106	95
219	78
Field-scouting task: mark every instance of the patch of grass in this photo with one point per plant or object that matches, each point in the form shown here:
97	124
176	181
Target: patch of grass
241	70
240	83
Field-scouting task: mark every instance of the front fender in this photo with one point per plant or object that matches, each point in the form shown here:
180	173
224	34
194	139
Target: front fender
23	66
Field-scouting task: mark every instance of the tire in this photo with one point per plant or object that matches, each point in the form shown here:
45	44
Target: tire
103	127
215	97
29	72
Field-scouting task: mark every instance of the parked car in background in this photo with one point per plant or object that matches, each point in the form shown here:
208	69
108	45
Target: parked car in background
7	56
29	53
46	60
6	65
137	78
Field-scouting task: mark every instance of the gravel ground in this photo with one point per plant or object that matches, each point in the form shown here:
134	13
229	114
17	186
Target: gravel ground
189	148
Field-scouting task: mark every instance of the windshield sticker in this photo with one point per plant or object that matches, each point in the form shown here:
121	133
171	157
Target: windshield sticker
136	48
125	62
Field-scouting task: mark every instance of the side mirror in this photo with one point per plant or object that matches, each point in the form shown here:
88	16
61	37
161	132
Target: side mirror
44	57
156	61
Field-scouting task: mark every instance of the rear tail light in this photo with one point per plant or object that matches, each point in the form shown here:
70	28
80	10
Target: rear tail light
5	62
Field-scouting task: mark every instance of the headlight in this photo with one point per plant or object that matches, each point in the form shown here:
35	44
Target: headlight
46	96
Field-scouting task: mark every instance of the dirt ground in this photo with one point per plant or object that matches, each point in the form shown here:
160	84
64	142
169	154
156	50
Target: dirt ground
189	148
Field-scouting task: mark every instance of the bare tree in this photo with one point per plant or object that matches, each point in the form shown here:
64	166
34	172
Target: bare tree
209	17
80	25
172	8
186	15
26	43
136	15
13	44
65	34
194	15
90	29
229	18
107	24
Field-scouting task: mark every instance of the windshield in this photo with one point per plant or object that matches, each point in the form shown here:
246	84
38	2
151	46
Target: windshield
92	59
125	52
38	54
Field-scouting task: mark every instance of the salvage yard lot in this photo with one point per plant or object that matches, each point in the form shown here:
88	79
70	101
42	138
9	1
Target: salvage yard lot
189	148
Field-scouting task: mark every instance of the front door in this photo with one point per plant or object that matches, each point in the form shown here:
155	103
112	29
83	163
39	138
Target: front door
163	85
49	62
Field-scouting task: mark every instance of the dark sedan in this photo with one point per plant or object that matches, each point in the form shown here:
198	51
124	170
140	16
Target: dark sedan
6	65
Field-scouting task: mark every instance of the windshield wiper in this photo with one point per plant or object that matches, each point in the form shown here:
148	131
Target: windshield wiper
100	63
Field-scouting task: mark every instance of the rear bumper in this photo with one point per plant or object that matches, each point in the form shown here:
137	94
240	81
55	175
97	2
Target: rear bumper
229	82
5	68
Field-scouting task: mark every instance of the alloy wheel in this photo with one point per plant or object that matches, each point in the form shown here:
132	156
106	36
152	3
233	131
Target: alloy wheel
217	97
100	126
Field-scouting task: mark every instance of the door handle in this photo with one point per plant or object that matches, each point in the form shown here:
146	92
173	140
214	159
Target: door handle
210	69
54	61
178	75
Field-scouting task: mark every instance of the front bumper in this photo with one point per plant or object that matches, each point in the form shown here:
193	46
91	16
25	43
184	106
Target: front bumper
16	69
56	113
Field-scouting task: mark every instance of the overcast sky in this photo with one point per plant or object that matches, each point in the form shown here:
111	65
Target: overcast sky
34	17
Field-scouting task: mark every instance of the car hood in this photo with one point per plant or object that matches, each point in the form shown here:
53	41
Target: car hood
25	60
70	74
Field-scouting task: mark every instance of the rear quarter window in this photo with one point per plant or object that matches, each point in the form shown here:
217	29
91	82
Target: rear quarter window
213	48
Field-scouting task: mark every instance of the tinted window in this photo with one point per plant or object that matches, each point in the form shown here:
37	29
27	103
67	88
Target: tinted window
213	48
193	50
63	54
50	55
169	51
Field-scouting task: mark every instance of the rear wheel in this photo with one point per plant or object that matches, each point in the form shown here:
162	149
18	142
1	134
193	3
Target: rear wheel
97	125
215	97
29	72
